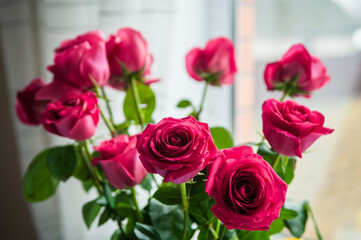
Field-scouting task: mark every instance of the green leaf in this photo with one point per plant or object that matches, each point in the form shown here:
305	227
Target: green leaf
309	211
124	197
197	192
167	220
168	195
184	103
90	212
146	184
38	184
266	153
276	227
287	214
87	184
146	232
62	161
81	172
124	210
147	103
222	138
201	212
289	170
117	235
104	217
109	196
254	235
296	225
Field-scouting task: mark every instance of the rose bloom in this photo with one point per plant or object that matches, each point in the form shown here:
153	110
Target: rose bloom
75	61
128	47
120	161
73	116
311	73
291	128
28	108
215	63
249	194
176	149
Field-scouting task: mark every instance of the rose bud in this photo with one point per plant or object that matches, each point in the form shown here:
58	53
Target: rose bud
215	63
28	109
291	128
248	193
75	62
127	53
120	161
176	149
297	72
73	116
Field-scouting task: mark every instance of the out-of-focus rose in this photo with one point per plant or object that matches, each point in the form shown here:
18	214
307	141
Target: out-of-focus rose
127	53
75	61
28	109
291	128
73	116
297	72
120	161
249	194
176	149
215	63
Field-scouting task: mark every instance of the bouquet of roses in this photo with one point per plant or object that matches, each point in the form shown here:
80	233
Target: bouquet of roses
210	188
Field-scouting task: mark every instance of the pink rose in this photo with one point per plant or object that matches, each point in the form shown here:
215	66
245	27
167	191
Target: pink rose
27	107
120	161
249	194
215	63
73	116
176	149
311	73
75	61
291	128
127	47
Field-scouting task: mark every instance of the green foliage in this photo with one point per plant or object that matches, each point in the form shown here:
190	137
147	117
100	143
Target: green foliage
105	216
147	104
81	172
146	232
184	103
38	184
287	214
167	220
90	212
197	192
296	225
276	227
62	161
222	138
168	195
254	235
266	153
146	184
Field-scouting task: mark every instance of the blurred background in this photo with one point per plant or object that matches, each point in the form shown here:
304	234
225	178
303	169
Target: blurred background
329	177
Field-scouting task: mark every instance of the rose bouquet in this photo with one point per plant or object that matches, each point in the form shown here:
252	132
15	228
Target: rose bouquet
207	187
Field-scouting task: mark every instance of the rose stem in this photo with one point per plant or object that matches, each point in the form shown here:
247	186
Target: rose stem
218	225
87	160
185	209
108	105
137	209
202	100
276	161
309	210
223	230
107	122
135	94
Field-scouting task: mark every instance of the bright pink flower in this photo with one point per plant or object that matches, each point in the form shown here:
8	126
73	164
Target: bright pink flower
128	48
291	128
311	73
215	63
120	161
27	107
176	149
249	194
73	116
75	61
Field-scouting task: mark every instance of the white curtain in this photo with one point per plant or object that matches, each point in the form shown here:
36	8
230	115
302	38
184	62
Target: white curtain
29	32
